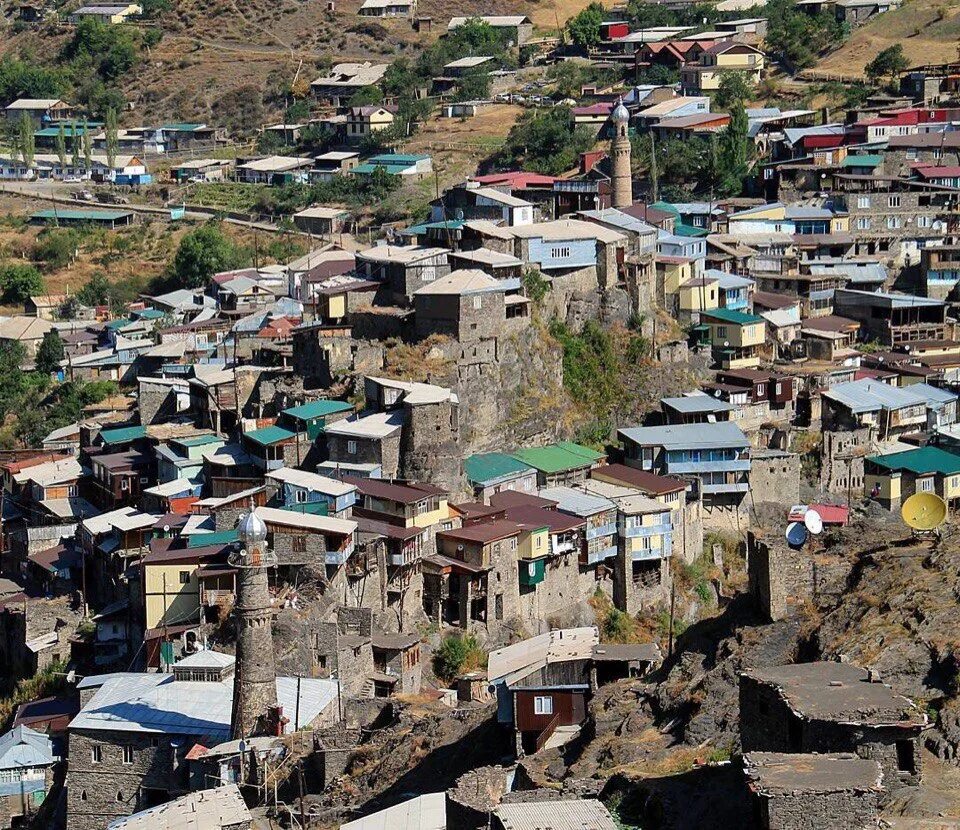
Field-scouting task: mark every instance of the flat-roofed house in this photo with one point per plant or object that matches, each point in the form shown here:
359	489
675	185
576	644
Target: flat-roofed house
345	79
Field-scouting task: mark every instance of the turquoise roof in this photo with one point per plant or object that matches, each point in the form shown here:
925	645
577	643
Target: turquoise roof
149	314
683	229
397	158
559	457
317	409
113	325
123	434
312	508
200	440
269	435
921	461
182	127
81	215
869	160
729	316
492	466
220	537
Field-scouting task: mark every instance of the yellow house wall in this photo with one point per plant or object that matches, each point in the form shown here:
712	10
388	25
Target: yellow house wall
534	544
174	604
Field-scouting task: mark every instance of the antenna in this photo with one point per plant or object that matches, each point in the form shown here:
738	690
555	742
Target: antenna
813	522
796	534
924	512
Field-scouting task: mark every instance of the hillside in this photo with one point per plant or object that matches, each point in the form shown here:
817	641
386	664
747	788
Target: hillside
928	30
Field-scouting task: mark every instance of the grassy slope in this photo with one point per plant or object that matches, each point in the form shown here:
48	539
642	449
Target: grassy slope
915	26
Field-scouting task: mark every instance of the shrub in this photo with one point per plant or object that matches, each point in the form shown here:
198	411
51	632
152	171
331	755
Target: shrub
457	654
19	282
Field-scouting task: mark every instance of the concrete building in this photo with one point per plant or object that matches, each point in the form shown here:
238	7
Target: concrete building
832	707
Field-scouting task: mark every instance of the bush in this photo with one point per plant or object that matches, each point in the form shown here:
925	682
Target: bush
56	247
457	654
20	282
203	253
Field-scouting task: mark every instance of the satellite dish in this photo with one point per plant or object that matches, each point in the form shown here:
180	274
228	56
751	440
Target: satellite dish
813	522
924	511
796	534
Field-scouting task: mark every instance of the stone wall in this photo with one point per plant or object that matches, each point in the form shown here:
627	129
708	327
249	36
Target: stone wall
803	810
775	476
841	459
383	451
430	445
98	792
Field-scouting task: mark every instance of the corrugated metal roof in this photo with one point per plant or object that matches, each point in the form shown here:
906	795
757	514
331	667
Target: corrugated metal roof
425	812
690	404
203	810
317	409
578	502
25	747
555	815
492	466
688	436
870	395
269	435
558	457
123	434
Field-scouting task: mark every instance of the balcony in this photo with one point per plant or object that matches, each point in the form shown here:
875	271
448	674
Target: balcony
561	546
595	556
642	531
735	487
532	573
695	467
601	530
339	557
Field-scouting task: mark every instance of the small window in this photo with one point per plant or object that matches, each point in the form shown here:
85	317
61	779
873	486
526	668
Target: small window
543	705
299	544
128	755
352	447
300	496
119	795
96	754
893	201
124	484
863	202
478	301
83	795
144	479
184	577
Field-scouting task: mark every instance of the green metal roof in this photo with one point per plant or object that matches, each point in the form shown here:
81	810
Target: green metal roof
683	229
183	127
220	537
397	158
866	160
82	215
313	508
118	323
729	316
200	440
69	130
149	314
492	466
921	461
123	434
317	409
558	457
269	435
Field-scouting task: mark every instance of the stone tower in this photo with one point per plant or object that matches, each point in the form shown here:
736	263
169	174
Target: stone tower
622	178
255	710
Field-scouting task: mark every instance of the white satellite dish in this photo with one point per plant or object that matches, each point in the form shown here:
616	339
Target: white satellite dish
813	522
796	534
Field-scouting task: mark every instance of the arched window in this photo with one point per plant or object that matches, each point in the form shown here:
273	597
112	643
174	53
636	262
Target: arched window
119	795
83	795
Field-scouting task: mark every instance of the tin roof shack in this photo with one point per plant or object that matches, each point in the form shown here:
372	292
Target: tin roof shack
129	744
309	492
795	792
560	463
492	472
832	707
890	479
543	683
401	270
26	773
714	456
892	319
892	410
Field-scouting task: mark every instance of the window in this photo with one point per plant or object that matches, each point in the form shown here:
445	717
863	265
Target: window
925	484
144	479
893	201
119	795
300	496
478	301
128	755
924	221
863	202
96	754
721	331
124	484
863	223
72	490
543	705
184	577
352	447
893	222
560	253
299	544
83	795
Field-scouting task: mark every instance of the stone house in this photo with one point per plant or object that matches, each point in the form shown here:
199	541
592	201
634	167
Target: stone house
401	270
465	304
372	438
396	661
35	632
798	791
308	539
894	319
118	479
832	707
26	773
129	743
891	410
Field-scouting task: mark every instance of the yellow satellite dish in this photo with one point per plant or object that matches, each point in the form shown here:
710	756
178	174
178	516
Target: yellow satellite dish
924	511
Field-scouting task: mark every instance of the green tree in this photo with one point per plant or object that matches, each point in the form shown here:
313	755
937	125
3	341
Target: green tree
204	252
111	132
584	28
19	282
734	88
26	141
889	63
797	38
457	654
96	291
544	141
734	152
75	148
50	353
61	146
87	146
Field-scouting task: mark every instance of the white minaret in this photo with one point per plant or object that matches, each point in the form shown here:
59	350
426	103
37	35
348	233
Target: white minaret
622	179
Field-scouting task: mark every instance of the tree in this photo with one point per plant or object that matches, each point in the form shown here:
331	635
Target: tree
203	253
19	282
584	28
544	141
87	146
887	64
75	147
50	353
61	146
95	292
111	134
457	654
734	88
733	153
26	141
56	247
